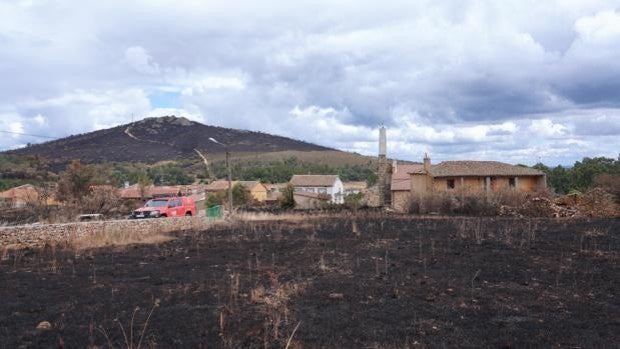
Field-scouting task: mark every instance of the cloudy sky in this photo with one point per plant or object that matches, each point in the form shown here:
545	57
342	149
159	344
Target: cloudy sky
520	81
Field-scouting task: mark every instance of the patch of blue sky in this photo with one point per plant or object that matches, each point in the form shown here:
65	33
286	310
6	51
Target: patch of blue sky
165	99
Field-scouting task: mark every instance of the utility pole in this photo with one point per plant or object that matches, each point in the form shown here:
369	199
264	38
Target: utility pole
230	193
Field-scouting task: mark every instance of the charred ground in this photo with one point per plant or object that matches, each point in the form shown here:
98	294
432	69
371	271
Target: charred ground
381	282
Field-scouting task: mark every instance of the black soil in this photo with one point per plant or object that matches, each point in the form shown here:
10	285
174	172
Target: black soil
344	283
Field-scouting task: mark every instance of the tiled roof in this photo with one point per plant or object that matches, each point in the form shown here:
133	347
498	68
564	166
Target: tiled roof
401	180
354	185
133	191
481	168
313	180
275	186
220	184
249	185
23	192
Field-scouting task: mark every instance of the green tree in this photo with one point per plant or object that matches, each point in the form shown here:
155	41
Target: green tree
584	171
74	183
287	200
240	195
215	199
558	178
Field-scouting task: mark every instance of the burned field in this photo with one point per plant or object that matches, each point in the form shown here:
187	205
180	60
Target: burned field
378	282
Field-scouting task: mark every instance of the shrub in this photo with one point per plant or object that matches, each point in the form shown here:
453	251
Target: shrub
287	200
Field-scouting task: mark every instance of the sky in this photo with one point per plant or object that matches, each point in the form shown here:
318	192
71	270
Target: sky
519	81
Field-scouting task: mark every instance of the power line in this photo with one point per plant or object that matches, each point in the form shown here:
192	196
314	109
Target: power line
27	134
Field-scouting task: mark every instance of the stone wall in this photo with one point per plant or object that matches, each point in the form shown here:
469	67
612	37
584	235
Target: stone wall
39	234
401	200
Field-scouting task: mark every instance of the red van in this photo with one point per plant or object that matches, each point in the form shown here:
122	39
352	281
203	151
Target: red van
166	207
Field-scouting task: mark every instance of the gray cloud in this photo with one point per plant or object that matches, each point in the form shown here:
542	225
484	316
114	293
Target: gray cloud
460	80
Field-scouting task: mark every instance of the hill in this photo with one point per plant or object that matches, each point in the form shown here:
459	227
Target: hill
154	140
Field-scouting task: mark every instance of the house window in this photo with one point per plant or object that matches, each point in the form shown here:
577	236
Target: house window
512	182
323	190
450	183
311	190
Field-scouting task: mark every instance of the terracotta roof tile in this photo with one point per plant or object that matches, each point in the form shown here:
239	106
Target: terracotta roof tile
481	168
401	180
313	180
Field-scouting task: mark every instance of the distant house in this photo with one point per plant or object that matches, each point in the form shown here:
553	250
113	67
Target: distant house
320	184
305	200
354	187
274	191
400	188
461	177
136	192
20	196
256	189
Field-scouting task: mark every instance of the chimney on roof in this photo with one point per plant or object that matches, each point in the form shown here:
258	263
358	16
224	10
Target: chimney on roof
427	163
394	166
126	184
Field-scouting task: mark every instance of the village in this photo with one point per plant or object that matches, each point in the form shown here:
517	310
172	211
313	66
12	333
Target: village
401	187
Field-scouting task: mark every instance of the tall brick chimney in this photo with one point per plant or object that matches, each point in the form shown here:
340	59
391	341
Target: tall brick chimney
427	163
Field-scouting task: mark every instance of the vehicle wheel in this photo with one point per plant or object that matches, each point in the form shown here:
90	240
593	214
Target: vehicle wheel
163	216
188	214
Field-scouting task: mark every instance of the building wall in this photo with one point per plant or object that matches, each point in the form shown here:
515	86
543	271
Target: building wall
498	183
472	184
421	184
336	191
400	200
307	203
259	193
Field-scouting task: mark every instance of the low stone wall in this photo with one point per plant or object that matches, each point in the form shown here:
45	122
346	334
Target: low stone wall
39	234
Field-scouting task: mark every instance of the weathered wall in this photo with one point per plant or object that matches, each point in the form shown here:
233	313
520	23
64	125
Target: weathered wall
37	235
476	184
421	184
400	200
307	203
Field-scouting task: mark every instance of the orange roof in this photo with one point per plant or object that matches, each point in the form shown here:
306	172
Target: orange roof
355	185
23	192
401	180
133	191
313	180
481	168
218	185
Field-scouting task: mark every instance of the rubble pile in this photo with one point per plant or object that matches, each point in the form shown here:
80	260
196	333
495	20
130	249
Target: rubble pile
596	203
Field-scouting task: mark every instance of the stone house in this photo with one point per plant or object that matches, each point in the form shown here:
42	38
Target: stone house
20	196
354	187
256	189
461	177
305	200
330	185
400	186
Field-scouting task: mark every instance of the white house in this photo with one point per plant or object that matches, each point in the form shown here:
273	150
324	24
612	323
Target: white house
320	184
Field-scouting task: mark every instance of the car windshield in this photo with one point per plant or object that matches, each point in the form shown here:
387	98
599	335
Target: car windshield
156	203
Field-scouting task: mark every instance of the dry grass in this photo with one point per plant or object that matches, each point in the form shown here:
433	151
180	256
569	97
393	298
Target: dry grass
118	237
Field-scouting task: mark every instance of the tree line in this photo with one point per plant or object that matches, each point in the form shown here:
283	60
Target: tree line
583	175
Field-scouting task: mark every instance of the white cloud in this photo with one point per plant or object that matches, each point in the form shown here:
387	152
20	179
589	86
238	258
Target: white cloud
140	60
464	79
547	128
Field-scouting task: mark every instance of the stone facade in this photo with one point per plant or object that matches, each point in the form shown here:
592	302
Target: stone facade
400	200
